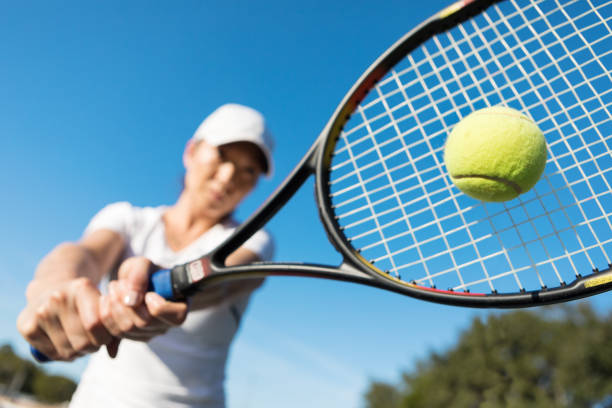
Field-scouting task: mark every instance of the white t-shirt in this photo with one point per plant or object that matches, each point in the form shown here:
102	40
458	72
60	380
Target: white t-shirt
185	367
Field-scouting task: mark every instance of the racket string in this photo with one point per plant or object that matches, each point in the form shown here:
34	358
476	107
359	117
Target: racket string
421	182
382	200
496	231
392	261
571	88
353	198
559	41
542	101
441	177
390	189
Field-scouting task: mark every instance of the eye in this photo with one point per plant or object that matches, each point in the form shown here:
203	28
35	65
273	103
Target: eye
249	174
222	154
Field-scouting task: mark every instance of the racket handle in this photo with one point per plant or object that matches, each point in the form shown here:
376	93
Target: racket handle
38	355
180	282
160	282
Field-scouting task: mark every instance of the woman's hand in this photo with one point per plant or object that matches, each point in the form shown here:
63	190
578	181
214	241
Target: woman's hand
129	311
61	318
63	322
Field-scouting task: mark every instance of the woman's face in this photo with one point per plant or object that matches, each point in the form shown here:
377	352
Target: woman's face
219	177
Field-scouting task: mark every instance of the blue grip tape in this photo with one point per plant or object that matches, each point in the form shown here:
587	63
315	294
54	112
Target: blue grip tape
38	356
161	283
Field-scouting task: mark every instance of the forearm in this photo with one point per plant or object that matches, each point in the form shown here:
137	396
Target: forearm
90	259
67	261
61	317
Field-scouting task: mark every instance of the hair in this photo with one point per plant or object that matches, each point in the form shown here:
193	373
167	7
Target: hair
261	157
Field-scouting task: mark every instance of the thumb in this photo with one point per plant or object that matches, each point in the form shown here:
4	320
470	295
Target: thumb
133	277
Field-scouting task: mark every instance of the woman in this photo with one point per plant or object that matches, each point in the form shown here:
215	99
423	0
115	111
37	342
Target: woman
159	353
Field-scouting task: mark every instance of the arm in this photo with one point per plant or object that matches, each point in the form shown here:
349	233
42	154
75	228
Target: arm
61	317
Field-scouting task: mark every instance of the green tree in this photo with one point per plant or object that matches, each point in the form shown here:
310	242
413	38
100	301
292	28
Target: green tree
556	357
20	375
52	388
381	394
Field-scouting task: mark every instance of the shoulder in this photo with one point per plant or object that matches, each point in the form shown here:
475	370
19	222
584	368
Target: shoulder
126	211
123	217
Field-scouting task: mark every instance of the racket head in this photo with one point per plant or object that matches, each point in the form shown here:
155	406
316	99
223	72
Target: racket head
385	196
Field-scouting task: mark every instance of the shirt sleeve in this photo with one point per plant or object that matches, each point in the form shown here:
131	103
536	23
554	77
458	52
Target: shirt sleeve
115	217
262	244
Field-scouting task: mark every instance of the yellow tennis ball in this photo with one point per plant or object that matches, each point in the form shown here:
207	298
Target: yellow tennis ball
495	154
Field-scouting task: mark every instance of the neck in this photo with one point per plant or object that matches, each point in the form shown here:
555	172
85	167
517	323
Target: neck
185	221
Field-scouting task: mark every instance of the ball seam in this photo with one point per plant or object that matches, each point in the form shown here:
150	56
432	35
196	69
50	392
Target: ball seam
512	184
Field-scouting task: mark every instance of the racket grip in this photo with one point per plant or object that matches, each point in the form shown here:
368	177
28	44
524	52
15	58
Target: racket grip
178	283
160	282
38	355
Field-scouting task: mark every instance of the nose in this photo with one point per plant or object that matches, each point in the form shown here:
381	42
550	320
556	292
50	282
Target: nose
225	172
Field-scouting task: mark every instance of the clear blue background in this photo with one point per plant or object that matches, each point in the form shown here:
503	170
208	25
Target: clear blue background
97	100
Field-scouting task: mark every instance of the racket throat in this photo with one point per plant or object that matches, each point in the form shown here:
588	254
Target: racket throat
186	277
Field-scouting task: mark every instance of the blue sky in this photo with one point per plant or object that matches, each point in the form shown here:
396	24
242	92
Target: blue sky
97	102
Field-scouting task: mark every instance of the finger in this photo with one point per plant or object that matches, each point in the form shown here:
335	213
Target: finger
128	319
134	273
172	313
28	326
50	323
88	306
67	313
106	316
127	322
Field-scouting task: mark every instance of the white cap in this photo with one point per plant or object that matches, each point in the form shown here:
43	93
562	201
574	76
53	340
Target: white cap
237	123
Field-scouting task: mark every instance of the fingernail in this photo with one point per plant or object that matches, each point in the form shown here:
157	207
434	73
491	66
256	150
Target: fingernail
132	298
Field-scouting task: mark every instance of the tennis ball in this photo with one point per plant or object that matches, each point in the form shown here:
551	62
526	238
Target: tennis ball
495	154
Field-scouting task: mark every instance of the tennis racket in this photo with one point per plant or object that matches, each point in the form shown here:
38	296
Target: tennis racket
385	197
